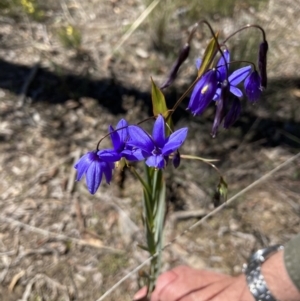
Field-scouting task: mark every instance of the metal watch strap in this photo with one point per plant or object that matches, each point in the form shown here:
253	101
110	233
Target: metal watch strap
256	282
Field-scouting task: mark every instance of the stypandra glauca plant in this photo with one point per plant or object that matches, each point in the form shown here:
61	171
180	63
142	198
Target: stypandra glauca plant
214	83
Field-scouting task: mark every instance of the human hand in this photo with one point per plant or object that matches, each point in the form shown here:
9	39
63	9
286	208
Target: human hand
187	284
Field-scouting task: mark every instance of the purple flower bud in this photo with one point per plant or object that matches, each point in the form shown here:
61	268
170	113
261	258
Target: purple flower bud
203	92
233	113
252	86
176	159
262	63
184	53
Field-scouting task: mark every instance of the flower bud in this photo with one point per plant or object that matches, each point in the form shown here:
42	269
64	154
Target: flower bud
262	63
176	159
252	86
184	53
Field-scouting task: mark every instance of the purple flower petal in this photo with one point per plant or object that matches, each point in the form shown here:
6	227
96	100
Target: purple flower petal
221	67
120	135
217	94
115	138
140	139
175	141
193	104
203	92
109	155
83	164
158	133
94	176
221	106
134	155
198	63
236	91
107	168
156	161
233	113
122	130
239	75
253	86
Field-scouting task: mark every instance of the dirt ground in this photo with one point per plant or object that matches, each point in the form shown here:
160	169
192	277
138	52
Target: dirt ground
57	242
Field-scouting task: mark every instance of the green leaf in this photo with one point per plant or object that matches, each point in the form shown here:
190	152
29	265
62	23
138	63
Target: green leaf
209	54
158	100
160	107
143	247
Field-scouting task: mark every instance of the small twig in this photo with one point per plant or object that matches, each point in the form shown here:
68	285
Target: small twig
81	10
42	251
54	284
79	216
15	280
5	271
72	175
27	83
67	12
136	24
182	215
8	253
57	236
28	288
126	277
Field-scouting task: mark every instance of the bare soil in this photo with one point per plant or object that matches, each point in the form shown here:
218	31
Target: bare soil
57	242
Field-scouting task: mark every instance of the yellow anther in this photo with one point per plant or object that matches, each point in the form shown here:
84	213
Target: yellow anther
204	89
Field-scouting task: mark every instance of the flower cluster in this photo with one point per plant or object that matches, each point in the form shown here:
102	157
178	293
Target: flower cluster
217	85
134	144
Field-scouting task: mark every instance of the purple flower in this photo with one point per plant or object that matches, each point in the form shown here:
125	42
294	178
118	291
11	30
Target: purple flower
233	80
253	86
94	165
210	85
119	138
203	92
157	148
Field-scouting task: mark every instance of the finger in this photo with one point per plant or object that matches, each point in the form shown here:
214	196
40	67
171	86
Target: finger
182	281
162	283
141	295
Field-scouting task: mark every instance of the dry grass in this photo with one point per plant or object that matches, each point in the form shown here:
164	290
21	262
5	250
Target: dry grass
59	243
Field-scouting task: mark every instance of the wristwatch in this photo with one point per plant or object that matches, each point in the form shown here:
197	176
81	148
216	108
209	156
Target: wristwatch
256	282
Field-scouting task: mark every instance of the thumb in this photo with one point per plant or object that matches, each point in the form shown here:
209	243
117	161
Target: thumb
141	295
